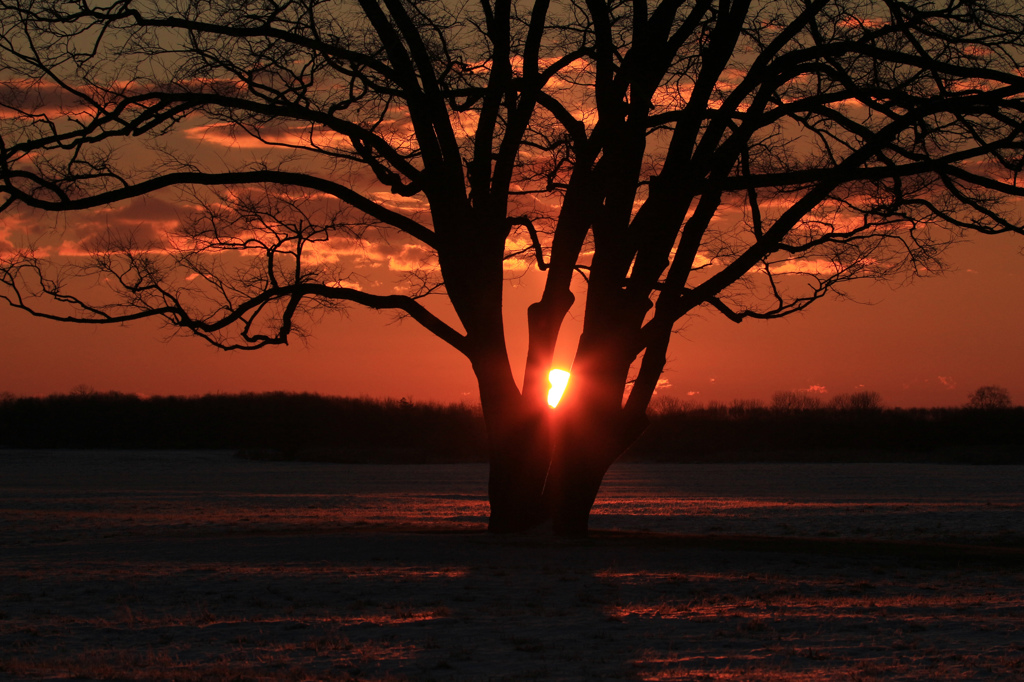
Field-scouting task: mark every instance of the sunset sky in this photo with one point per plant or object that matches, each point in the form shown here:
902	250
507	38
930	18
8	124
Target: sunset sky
927	344
930	343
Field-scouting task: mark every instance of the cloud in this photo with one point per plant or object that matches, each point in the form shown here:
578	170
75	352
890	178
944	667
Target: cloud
44	98
515	264
146	223
395	256
345	285
816	266
236	137
862	22
409	258
465	123
19	97
15	230
673	95
262	214
414	205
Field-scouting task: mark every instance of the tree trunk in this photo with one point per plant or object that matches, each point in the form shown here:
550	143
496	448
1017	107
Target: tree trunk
586	443
574	482
519	459
550	465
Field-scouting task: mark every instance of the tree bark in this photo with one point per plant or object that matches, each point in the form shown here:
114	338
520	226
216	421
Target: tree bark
548	464
519	460
586	443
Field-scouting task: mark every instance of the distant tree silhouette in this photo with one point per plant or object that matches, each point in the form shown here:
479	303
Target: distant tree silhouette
856	402
990	398
794	401
662	157
740	408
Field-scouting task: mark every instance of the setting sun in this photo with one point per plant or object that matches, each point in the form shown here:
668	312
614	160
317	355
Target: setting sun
558	378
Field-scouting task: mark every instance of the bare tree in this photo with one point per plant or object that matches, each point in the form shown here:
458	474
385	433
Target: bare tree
990	398
862	401
795	401
745	157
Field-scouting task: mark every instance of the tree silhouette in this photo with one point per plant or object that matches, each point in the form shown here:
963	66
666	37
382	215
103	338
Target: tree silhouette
661	157
990	398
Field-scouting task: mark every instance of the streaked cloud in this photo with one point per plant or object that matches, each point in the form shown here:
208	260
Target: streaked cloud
236	137
816	266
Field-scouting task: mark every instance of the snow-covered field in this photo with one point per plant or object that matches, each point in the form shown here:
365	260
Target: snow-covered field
197	565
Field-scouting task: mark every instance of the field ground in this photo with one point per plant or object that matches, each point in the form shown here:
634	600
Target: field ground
197	565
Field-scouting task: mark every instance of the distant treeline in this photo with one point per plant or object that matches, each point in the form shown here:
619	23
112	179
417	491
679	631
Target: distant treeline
264	425
849	428
311	427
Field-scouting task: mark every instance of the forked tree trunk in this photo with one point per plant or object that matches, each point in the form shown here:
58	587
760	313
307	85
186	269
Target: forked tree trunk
549	464
550	468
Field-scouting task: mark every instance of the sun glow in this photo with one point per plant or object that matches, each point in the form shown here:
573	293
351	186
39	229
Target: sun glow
558	378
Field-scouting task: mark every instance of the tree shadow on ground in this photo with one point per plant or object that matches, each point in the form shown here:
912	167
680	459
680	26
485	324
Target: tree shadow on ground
457	604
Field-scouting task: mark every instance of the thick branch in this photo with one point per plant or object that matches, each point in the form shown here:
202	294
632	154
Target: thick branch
128	191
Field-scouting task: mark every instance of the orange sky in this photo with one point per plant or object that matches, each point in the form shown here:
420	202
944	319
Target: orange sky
929	344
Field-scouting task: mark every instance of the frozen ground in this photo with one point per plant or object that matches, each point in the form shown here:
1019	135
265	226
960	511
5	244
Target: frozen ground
196	565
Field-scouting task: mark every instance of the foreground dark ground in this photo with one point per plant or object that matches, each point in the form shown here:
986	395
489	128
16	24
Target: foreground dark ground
197	565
